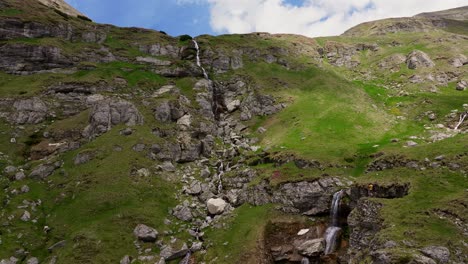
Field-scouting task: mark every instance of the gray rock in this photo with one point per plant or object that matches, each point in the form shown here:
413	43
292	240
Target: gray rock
59	244
110	112
194	188
26	216
167	166
459	61
21	58
10	169
44	170
139	147
154	61
29	111
32	260
11	260
126	132
84	157
126	260
233	105
312	248
145	233
196	246
364	222
411	143
462	85
216	206
25	189
418	59
185	121
205	172
419	259
183	213
441	254
20	175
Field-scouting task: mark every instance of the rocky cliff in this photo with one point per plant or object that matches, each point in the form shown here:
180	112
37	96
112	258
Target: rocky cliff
116	147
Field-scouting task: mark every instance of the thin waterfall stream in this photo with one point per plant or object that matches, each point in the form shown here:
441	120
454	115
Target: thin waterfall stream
198	59
333	232
221	168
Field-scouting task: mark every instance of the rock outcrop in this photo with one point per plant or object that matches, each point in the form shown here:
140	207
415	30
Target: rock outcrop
109	112
29	111
145	233
418	59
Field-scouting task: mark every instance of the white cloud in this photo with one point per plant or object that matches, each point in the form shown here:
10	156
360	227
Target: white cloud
277	16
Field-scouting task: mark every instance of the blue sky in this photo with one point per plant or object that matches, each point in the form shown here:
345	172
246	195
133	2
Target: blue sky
166	15
306	17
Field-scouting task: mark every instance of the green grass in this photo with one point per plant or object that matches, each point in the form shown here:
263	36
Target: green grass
10	12
234	243
326	118
96	205
413	217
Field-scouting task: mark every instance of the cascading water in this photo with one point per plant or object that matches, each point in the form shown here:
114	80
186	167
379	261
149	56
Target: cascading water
333	232
331	238
305	261
198	58
221	168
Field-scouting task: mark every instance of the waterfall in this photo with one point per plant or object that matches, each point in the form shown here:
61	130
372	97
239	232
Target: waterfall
333	232
331	238
198	59
335	208
220	176
305	261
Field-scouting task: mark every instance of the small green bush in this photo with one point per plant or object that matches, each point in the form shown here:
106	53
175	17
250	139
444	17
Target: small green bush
185	38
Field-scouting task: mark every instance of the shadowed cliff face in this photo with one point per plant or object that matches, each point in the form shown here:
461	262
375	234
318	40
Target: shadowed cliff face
112	137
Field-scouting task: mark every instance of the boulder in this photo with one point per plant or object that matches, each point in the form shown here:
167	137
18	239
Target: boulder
84	157
194	188
126	260
32	260
44	170
10	169
462	85
107	113
441	254
145	233
167	166
183	212
459	61
29	111
26	216
168	253
420	259
312	248
418	59
216	206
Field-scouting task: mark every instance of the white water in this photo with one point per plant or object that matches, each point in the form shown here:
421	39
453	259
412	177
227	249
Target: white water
462	118
221	170
335	208
198	59
331	238
333	232
305	261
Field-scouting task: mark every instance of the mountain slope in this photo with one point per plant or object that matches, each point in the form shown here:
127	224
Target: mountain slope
106	128
62	6
453	20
